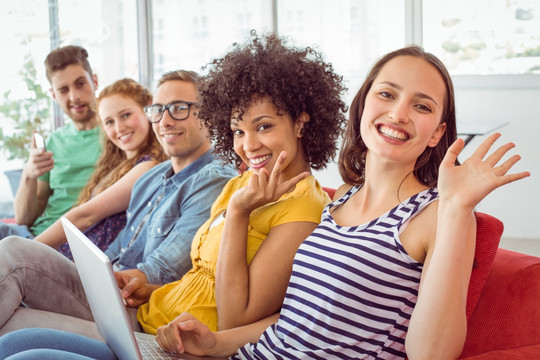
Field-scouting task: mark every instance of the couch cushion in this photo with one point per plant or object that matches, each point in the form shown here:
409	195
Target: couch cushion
33	318
525	352
507	315
330	191
488	234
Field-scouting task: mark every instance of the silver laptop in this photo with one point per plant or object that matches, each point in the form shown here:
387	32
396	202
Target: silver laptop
107	306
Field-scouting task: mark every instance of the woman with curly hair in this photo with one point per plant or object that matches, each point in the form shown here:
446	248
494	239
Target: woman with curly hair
277	111
130	148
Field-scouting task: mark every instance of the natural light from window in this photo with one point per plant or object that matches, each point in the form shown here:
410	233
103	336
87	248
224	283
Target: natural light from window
489	38
481	37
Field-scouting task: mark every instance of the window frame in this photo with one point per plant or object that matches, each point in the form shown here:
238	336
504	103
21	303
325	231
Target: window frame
413	35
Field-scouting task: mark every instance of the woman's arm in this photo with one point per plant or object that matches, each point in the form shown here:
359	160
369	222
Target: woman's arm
113	200
187	334
245	294
438	324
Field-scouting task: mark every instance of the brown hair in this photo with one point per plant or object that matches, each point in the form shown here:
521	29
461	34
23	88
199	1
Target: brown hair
183	75
426	170
297	81
60	58
113	163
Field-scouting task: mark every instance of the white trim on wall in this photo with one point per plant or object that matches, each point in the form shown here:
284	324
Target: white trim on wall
413	22
144	32
496	82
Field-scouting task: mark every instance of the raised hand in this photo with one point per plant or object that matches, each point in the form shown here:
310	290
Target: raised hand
186	334
264	188
132	289
479	175
39	161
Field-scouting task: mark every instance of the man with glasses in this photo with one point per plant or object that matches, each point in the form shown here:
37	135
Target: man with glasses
167	206
172	200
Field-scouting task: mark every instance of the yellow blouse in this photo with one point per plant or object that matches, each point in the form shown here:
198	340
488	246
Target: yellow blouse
195	291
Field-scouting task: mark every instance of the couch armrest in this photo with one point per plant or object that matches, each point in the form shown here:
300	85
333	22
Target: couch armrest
525	352
508	311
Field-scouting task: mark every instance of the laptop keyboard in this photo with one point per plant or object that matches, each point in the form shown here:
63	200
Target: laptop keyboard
150	350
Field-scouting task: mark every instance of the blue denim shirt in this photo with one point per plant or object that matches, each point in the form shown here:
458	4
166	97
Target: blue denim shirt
164	213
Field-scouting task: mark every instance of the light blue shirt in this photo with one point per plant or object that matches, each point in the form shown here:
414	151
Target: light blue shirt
164	213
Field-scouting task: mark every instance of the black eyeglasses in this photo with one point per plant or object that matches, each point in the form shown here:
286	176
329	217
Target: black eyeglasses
179	110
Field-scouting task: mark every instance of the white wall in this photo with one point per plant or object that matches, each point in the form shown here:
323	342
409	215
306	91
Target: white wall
516	205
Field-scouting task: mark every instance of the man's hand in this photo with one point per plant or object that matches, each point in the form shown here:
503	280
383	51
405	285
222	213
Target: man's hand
39	162
133	289
33	195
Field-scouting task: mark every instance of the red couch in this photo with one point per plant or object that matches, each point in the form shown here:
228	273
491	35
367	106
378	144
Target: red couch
504	320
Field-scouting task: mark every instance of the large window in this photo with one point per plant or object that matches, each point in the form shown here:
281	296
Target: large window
24	34
483	42
108	30
489	38
350	33
187	34
29	29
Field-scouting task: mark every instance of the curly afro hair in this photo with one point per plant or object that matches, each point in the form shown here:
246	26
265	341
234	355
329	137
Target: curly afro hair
297	81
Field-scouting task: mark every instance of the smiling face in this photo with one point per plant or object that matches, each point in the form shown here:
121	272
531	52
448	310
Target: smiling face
263	133
124	122
74	90
183	140
403	110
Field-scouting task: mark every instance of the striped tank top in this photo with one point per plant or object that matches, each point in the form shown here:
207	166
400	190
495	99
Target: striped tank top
351	293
